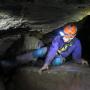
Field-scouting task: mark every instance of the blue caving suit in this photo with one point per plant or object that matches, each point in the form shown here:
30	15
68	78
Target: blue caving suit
74	49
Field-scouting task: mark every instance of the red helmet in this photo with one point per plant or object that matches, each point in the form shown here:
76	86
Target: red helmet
70	29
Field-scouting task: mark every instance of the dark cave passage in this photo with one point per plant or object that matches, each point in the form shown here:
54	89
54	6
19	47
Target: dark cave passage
84	36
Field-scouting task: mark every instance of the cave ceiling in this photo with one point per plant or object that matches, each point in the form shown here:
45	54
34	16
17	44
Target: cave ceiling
40	16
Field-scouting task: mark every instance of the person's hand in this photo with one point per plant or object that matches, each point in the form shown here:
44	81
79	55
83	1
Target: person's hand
45	67
84	62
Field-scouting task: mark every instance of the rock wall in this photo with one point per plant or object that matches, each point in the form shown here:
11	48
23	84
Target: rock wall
66	77
41	17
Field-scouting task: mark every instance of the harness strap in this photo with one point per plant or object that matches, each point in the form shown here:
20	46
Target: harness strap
65	47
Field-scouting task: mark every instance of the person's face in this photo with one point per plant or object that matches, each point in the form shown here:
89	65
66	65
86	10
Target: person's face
68	38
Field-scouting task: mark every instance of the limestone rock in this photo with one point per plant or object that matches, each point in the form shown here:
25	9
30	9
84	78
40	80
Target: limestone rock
65	77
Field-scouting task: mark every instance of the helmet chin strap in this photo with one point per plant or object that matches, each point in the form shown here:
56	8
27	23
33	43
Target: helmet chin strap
71	39
67	39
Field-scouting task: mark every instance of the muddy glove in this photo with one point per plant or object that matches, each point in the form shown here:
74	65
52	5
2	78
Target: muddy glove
45	67
84	62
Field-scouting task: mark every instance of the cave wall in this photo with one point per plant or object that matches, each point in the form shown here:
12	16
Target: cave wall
66	77
57	3
43	16
47	2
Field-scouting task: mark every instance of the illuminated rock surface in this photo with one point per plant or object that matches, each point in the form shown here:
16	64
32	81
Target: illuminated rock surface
65	77
40	17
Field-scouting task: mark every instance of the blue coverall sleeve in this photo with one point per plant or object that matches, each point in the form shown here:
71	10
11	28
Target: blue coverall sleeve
76	55
52	51
68	51
75	50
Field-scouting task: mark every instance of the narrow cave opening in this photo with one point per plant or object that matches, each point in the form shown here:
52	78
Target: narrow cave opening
84	36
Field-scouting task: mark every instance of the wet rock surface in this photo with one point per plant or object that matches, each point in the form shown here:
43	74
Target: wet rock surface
65	77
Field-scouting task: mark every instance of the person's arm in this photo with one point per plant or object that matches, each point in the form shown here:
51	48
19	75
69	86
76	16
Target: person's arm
76	55
75	49
51	53
68	51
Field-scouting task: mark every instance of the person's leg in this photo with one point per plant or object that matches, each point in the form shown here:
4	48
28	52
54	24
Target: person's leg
32	55
25	58
58	60
39	52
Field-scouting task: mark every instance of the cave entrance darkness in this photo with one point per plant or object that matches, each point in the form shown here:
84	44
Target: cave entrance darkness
84	36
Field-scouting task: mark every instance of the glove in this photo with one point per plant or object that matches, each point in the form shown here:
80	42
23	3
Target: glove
84	62
45	67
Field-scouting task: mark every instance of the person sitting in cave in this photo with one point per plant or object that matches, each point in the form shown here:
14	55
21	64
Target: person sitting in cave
62	46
